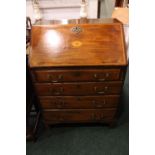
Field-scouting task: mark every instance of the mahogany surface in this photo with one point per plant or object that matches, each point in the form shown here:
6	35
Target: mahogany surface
79	102
96	44
73	75
78	68
80	88
89	115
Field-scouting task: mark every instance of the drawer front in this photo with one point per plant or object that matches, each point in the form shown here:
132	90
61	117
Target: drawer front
79	102
81	115
76	75
89	88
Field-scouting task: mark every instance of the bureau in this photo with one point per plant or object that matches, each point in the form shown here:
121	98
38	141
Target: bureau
78	68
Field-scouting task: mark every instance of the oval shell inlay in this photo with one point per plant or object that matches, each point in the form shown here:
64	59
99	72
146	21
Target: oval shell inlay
76	43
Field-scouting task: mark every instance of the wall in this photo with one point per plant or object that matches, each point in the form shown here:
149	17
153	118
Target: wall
107	7
61	9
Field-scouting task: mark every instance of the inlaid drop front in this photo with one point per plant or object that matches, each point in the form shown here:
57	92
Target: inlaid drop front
97	45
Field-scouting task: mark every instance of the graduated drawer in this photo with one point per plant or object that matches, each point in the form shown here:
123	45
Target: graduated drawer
81	115
87	88
76	75
79	102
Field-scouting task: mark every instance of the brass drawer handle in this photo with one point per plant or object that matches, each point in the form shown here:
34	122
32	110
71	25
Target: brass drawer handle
59	92
103	79
97	105
60	104
50	77
56	92
60	77
100	92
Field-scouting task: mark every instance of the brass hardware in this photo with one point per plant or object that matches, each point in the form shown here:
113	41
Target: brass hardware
96	77
50	77
59	104
103	79
54	81
107	74
61	89
76	29
60	77
59	92
101	92
106	88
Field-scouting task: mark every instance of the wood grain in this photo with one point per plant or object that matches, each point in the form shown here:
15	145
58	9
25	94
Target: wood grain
89	115
78	75
78	69
85	88
79	102
95	44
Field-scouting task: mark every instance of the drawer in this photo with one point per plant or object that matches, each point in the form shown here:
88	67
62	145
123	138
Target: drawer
79	102
81	115
76	75
89	88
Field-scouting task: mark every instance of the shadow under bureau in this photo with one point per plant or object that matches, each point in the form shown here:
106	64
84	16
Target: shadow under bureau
78	69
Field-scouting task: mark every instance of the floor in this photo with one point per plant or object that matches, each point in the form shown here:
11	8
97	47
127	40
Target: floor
86	139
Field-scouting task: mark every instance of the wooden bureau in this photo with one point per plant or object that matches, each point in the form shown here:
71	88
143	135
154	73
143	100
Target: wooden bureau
78	69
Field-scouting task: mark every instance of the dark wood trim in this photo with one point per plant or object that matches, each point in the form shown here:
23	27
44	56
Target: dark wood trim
119	3
99	9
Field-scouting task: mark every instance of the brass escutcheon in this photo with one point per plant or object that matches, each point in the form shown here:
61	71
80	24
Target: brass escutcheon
76	29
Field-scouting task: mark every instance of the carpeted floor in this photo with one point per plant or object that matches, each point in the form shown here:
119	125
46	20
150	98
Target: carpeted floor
86	139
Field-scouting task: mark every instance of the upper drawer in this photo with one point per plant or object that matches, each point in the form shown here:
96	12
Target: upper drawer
81	88
76	75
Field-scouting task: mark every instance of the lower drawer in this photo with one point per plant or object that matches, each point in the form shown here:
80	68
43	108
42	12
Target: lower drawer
81	115
79	102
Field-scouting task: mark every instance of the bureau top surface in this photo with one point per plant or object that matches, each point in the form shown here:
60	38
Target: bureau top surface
77	21
89	42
